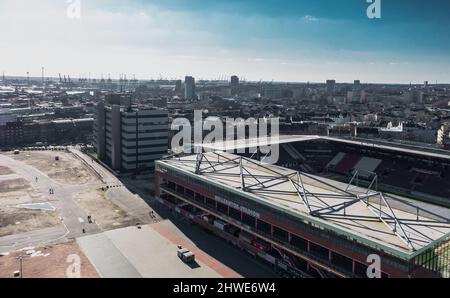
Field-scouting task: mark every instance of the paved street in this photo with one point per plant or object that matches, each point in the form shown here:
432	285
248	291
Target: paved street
33	239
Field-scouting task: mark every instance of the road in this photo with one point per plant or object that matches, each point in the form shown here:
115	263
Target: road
34	238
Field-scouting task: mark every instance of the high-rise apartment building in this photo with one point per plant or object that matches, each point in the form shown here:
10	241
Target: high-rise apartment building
178	87
331	87
189	88
357	85
234	85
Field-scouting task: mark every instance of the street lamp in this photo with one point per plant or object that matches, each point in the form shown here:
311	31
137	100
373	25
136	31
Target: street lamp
20	258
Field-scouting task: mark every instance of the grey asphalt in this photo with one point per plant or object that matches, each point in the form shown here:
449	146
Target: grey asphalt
106	258
32	239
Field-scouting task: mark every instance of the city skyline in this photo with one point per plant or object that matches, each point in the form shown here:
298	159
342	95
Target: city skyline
298	41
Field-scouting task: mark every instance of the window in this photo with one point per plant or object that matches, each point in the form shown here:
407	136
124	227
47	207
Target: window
199	198
280	234
222	208
299	242
236	214
189	193
180	189
249	220
210	203
360	269
263	226
319	251
342	261
171	185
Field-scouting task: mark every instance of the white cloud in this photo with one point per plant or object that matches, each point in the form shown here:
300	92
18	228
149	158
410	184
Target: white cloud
309	18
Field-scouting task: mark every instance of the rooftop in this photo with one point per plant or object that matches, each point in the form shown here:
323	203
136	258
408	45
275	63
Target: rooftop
284	139
364	215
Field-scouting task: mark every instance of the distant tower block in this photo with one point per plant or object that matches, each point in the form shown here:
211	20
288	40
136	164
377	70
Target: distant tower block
234	84
331	86
43	74
178	86
189	91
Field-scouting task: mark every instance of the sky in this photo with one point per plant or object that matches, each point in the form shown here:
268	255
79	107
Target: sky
281	40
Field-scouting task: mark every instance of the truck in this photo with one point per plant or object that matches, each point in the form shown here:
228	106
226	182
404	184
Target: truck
185	255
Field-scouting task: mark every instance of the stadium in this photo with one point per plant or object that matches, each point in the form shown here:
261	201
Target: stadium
302	224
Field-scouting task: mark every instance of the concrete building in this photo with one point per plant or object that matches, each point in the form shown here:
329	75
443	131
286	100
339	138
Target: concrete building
234	85
357	85
189	88
6	117
130	138
331	87
178	87
55	132
416	96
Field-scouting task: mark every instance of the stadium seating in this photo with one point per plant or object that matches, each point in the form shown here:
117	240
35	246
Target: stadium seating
347	164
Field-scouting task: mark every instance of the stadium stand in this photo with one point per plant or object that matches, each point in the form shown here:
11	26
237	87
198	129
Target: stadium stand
347	164
367	166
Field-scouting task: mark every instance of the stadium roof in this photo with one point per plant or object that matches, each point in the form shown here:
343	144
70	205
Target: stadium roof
255	142
361	214
284	139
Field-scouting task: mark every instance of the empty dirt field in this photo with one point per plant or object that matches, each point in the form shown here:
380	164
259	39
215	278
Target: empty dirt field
68	169
59	261
15	191
5	171
105	213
